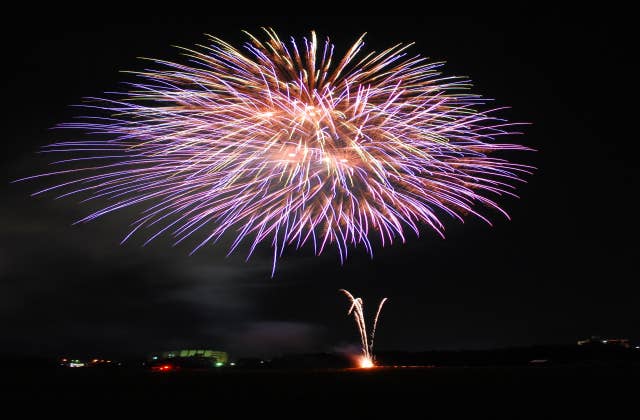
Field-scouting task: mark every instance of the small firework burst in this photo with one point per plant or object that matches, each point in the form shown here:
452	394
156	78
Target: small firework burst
367	359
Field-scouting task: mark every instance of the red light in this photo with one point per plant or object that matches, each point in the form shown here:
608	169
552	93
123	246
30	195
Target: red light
162	368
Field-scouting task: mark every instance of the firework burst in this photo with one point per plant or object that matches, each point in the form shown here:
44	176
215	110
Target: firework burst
283	142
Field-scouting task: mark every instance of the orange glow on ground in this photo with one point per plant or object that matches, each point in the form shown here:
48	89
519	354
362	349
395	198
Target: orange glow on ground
366	363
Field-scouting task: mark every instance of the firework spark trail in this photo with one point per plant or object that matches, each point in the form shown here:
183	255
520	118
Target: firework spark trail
357	309
375	324
288	145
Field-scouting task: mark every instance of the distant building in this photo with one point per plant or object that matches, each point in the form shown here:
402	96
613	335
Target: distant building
72	363
594	339
216	357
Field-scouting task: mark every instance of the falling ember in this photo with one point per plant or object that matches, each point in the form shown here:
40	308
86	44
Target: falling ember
284	143
367	359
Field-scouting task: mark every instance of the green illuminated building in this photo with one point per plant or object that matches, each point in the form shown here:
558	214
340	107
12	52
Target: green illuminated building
219	358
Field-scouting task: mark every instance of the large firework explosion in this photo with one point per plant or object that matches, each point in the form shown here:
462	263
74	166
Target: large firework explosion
285	143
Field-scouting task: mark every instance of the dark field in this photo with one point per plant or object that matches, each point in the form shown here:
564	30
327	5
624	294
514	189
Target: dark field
515	391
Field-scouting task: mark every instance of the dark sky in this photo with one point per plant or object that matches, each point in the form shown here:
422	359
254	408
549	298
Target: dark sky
563	268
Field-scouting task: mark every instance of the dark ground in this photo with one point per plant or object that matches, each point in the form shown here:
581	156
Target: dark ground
512	392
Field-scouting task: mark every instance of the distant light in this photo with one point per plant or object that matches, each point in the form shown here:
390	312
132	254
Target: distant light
154	358
218	364
292	155
233	364
261	361
76	365
604	341
638	347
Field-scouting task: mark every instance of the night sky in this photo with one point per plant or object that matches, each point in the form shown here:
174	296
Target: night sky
562	269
